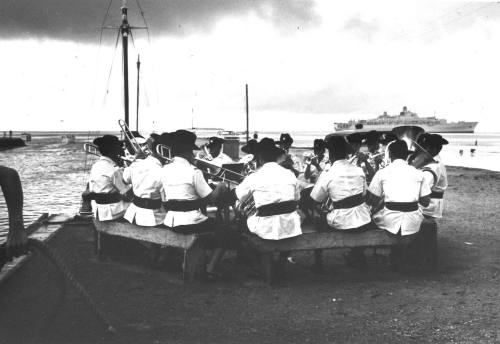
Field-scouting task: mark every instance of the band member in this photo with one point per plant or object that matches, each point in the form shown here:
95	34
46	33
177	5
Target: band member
13	193
435	173
403	188
287	160
275	193
318	163
250	159
106	185
384	142
145	177
359	155
185	191
213	153
345	185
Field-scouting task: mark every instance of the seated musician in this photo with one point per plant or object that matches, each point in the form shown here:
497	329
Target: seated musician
345	185
250	159
213	153
318	163
315	165
435	173
287	160
275	193
384	142
106	185
185	191
145	177
359	155
402	188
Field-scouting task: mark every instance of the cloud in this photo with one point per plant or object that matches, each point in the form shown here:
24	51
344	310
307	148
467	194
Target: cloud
362	28
81	20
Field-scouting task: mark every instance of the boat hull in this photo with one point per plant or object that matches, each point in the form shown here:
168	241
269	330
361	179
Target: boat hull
459	127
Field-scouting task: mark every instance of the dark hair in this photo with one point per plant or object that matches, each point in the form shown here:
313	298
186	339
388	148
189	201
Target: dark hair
337	147
398	150
267	150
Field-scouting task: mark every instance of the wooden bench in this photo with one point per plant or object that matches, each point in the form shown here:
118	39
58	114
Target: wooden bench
312	239
192	244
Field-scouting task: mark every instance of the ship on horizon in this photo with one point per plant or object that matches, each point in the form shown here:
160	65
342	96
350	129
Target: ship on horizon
386	122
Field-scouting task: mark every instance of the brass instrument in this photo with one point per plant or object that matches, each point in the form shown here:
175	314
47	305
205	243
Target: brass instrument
419	156
247	208
164	152
133	147
92	149
223	174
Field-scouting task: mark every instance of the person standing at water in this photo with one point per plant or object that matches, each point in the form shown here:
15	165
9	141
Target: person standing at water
13	193
106	185
145	177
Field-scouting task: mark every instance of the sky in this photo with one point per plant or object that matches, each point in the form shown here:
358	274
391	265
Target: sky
307	63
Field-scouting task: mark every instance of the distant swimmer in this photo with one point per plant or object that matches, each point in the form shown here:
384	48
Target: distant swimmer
13	193
461	152
472	152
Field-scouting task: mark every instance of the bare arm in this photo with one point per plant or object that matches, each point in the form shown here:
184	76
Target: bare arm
13	193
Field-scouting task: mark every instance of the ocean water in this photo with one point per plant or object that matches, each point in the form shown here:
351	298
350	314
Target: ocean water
55	174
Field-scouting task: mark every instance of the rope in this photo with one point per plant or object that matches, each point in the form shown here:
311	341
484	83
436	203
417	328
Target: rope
111	68
54	257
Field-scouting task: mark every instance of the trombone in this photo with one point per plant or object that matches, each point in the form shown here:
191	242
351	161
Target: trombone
92	149
223	174
132	143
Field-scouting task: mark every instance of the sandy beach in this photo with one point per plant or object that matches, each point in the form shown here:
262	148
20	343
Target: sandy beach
459	303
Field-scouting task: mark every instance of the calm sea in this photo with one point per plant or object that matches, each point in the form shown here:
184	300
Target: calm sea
54	174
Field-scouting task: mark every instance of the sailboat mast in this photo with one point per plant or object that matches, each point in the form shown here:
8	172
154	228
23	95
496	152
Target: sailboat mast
125	31
137	113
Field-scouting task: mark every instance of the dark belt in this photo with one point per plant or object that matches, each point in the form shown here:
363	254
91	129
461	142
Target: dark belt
437	194
402	206
182	205
147	203
349	202
105	198
277	208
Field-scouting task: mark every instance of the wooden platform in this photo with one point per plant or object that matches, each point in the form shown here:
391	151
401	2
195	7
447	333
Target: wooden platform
192	244
312	239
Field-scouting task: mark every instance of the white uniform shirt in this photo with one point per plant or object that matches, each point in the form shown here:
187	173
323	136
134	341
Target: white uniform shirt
221	159
182	181
107	177
271	184
399	182
343	180
145	177
439	182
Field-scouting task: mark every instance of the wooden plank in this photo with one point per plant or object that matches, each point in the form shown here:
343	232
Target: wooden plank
156	235
311	240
